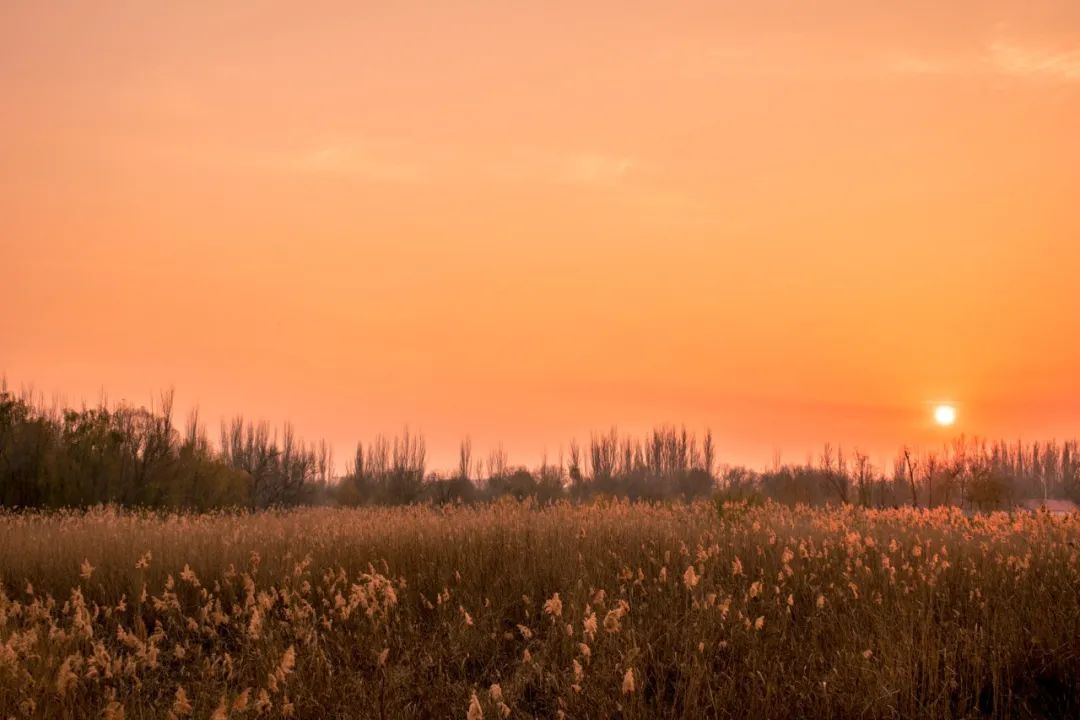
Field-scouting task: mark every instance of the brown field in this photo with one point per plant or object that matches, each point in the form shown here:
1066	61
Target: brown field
508	610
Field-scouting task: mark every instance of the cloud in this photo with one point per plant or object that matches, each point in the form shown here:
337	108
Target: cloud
592	169
582	168
914	65
761	61
353	159
394	162
1021	61
999	58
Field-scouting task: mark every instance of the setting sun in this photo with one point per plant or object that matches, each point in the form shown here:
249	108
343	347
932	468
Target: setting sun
945	415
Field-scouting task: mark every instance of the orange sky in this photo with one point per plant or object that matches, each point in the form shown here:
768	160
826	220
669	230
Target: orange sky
794	222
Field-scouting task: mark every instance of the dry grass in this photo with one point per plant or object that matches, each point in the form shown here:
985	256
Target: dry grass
597	611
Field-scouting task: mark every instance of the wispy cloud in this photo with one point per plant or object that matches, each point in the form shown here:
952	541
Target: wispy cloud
758	61
1021	61
592	169
400	162
405	161
585	168
351	158
905	64
1012	59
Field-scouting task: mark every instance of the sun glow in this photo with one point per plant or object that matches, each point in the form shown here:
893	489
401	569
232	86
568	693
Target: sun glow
945	415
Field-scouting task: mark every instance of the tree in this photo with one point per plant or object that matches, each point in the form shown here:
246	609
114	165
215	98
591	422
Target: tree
910	465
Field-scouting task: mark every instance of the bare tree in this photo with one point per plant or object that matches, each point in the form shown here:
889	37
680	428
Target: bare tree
497	462
834	470
864	472
465	459
708	452
910	466
577	479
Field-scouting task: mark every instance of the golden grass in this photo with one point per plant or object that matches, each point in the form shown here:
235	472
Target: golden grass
608	610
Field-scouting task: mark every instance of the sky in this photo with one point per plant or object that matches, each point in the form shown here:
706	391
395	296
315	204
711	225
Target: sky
794	223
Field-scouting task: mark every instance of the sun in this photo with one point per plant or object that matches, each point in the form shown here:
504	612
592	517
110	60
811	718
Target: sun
945	415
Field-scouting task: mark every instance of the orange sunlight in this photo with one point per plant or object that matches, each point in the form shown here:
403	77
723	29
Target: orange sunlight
795	224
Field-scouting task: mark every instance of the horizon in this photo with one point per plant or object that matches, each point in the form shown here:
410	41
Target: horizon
794	225
446	461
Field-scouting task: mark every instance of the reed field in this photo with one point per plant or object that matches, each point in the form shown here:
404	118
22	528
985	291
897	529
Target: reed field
513	610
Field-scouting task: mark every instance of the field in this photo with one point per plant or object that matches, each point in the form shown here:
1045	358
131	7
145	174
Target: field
509	610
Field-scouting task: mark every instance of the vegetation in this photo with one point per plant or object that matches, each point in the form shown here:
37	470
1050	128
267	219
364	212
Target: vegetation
827	589
137	457
606	609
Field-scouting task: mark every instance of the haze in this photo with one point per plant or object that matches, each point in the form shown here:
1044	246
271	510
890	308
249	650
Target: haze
792	222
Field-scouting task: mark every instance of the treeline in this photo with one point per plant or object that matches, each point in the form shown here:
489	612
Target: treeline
667	463
52	457
973	474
